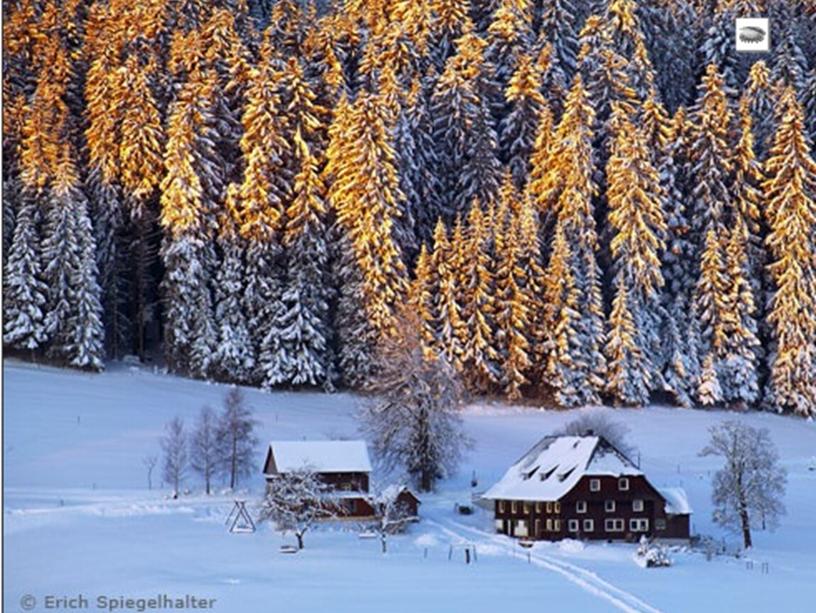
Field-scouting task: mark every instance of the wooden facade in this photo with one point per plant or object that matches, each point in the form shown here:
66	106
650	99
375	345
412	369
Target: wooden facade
597	508
582	487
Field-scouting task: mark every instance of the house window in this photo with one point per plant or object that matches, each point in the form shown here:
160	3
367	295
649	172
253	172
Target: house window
549	525
660	524
557	525
623	484
589	525
557	507
525	508
637	505
609	506
639	525
501	506
500	526
613	525
538	507
594	485
572	525
580	506
549	507
513	507
537	527
521	528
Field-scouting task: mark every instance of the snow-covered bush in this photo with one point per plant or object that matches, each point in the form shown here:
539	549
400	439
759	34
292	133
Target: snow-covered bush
651	555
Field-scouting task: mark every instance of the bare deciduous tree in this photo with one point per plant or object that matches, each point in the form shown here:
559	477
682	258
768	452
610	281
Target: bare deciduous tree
748	490
174	446
394	516
295	501
150	462
236	438
414	424
203	446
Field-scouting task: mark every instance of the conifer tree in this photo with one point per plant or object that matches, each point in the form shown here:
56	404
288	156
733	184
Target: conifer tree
24	289
447	308
450	20
233	359
759	97
582	354
636	217
560	19
365	194
191	193
481	355
513	313
739	368
791	213
520	126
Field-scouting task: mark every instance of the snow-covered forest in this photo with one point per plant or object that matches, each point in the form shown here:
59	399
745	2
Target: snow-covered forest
582	200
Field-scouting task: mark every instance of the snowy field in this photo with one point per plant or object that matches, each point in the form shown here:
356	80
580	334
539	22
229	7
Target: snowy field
79	518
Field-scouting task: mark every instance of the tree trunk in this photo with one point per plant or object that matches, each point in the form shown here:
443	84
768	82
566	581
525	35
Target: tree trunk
299	536
426	484
746	529
208	485
383	543
233	461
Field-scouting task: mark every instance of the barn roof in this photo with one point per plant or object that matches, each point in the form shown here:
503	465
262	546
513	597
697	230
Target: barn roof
321	456
555	464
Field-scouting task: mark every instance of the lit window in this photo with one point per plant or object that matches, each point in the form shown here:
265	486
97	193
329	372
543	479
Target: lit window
594	485
623	484
513	507
538	507
557	507
609	506
660	524
501	506
557	525
525	508
580	506
549	525
637	505
572	525
549	507
589	525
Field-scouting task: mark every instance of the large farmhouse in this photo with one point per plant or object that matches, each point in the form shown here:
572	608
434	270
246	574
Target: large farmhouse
582	487
342	465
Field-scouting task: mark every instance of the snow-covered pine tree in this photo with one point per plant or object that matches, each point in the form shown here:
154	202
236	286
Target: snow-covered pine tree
789	65
481	355
544	184
192	190
717	49
447	309
24	294
513	316
584	347
622	23
366	197
758	94
259	201
680	333
233	358
519	128
561	22
791	214
809	104
508	37
450	19
738	371
638	224
301	325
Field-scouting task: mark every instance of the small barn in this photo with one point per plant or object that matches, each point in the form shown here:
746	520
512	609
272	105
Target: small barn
399	496
583	487
342	465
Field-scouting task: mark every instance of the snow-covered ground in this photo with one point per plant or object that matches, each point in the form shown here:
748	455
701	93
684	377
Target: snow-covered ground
80	520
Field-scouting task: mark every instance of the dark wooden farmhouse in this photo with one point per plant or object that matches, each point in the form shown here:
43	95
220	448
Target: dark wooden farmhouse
342	465
582	487
399	496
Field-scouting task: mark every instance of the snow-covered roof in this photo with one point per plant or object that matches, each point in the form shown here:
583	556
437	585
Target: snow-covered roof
555	465
391	492
676	500
321	456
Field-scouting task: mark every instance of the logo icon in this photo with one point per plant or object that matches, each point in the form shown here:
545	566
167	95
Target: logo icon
753	35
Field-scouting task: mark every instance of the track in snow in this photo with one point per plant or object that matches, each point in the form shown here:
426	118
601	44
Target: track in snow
583	578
